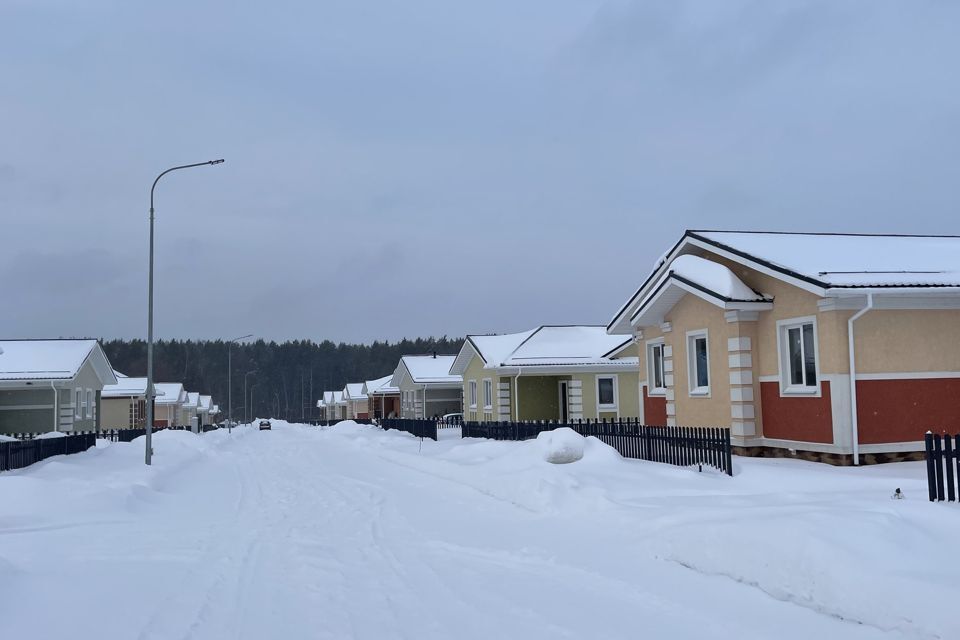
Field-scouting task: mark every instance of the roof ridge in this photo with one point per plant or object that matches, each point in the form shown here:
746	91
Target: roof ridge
827	233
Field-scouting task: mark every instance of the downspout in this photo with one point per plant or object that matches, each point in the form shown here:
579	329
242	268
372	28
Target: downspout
56	408
854	427
516	395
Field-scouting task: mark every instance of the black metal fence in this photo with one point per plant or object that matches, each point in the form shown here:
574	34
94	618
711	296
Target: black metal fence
943	466
23	453
681	446
330	423
419	428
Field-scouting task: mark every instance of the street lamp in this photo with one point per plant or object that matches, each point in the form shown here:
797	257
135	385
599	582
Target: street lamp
148	456
230	381
249	373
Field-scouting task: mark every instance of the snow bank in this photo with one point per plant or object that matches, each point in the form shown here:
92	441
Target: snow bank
4	438
561	446
51	434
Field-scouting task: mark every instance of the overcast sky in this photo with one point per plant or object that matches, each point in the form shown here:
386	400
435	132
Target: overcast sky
415	168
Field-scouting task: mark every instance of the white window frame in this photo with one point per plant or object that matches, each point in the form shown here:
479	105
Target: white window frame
78	403
488	391
697	391
89	404
472	393
651	377
783	361
616	393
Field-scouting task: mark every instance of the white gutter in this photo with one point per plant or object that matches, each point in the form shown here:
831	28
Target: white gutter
854	427
516	395
56	407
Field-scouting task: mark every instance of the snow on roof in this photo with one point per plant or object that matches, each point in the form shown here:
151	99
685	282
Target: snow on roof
321	404
172	391
380	386
567	345
127	387
44	359
118	374
193	399
713	276
338	397
494	349
354	391
431	369
328	397
206	402
851	260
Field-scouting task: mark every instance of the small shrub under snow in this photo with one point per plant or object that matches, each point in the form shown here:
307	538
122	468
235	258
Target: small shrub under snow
561	446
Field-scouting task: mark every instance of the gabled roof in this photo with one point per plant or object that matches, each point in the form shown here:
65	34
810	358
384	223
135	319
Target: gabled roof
546	346
206	403
193	399
427	370
173	392
52	360
127	387
380	386
354	391
826	264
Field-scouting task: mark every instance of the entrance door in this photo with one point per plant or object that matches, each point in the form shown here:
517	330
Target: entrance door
564	410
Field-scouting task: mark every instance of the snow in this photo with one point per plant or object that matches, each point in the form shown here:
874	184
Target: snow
193	400
380	386
126	387
431	369
4	438
568	345
43	359
561	446
854	260
172	392
352	532
713	276
354	391
494	349
51	434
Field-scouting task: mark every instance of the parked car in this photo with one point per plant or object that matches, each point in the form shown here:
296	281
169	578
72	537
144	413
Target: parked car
265	424
453	419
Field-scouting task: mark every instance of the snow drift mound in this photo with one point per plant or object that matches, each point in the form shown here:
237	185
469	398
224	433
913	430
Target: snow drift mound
561	446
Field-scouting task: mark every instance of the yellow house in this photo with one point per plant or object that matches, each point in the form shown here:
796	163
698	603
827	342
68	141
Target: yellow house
827	346
561	373
426	386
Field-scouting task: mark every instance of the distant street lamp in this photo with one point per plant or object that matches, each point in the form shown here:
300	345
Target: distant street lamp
230	380
246	418
151	395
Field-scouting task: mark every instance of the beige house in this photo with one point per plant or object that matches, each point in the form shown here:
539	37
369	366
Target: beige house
189	409
52	385
205	409
168	406
383	398
427	387
356	401
334	406
559	373
124	405
826	346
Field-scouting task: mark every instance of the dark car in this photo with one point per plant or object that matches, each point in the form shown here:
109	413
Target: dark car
265	424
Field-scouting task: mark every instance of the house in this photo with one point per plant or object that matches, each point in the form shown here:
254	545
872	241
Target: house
384	399
427	388
830	346
356	401
334	406
205	410
167	407
124	405
52	385
188	410
563	373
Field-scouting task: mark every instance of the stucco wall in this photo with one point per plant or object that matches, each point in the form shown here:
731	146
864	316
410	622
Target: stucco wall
115	413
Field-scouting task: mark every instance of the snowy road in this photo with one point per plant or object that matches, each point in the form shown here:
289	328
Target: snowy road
303	533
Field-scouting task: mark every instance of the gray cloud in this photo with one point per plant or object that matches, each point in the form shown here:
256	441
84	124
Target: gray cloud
434	167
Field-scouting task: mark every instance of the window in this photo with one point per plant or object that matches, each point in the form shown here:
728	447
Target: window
606	393
798	356
78	404
473	394
655	379
488	394
89	406
698	363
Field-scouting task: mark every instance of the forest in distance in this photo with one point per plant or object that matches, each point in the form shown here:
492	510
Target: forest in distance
288	377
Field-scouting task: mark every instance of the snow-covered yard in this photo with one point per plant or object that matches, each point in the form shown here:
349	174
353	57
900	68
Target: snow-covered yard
350	532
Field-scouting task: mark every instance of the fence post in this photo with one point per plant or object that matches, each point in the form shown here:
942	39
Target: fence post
938	470
948	454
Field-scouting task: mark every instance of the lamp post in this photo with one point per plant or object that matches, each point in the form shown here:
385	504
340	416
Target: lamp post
245	409
230	380
148	456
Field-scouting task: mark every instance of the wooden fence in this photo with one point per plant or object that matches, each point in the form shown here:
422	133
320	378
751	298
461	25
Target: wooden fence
419	428
681	446
943	466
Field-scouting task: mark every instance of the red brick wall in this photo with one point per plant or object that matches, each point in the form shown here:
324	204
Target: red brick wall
903	410
654	409
796	417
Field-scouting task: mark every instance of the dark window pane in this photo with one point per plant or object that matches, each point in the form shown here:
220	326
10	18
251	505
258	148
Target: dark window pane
809	356
605	390
658	366
795	356
700	346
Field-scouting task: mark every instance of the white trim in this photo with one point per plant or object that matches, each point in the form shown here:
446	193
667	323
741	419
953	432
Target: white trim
487	384
740	343
787	389
740	361
472	394
615	407
691	337
650	345
24	407
823	447
909	375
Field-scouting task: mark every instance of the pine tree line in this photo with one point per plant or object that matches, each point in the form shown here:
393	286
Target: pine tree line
289	376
